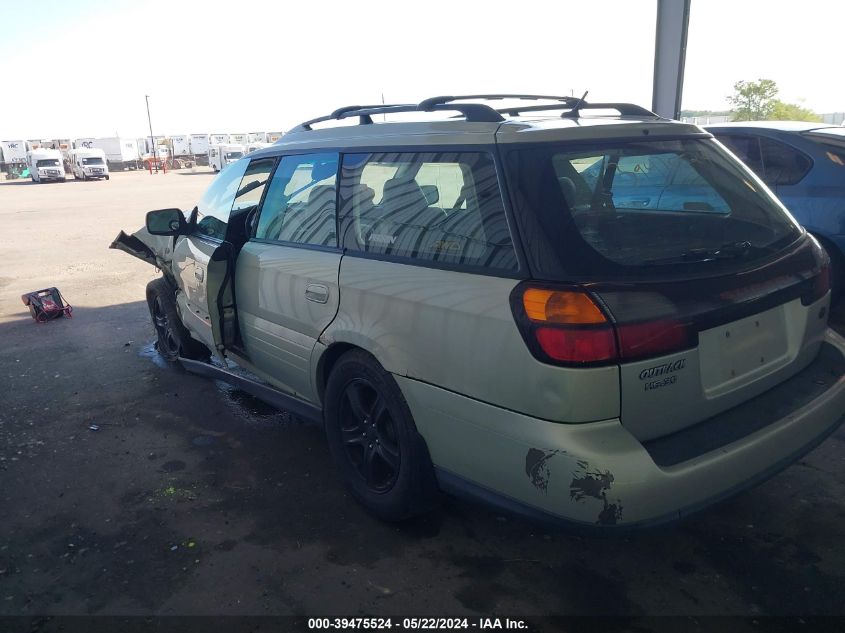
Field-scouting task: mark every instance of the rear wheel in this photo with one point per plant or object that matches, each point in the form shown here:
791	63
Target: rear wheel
172	338
374	442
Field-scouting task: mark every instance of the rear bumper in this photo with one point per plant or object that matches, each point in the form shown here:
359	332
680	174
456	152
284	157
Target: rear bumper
599	475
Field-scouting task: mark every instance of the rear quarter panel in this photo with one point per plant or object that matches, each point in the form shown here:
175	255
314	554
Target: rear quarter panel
456	330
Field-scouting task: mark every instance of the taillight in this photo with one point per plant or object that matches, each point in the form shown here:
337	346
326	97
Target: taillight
652	338
821	284
568	326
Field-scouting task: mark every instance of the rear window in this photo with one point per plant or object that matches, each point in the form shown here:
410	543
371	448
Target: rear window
642	208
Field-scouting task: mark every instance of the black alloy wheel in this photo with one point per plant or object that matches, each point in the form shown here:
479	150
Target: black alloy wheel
369	435
167	339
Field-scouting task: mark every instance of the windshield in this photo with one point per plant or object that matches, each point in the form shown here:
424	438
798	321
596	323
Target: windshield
234	155
96	160
628	208
47	162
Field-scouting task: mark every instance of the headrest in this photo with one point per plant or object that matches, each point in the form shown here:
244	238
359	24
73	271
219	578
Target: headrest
321	194
403	192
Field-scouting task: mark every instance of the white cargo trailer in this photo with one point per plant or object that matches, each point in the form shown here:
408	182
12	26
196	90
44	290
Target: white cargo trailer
199	148
272	137
257	137
180	145
14	152
238	139
219	139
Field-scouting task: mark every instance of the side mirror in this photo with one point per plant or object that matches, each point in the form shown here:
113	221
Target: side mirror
167	222
431	193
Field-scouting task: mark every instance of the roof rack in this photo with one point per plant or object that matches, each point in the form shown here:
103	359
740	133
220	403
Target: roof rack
476	112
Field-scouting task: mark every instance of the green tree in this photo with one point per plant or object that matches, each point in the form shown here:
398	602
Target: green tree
753	100
792	112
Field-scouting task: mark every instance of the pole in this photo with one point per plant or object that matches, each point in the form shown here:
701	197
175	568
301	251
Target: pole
670	50
152	139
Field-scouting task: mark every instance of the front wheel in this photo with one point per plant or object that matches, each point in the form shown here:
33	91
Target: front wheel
374	441
172	337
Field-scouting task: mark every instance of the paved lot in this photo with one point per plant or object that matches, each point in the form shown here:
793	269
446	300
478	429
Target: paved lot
192	498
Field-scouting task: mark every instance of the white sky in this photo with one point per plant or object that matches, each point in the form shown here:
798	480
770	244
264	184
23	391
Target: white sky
81	68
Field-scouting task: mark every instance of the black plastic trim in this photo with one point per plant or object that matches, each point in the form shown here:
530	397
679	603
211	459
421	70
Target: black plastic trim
264	392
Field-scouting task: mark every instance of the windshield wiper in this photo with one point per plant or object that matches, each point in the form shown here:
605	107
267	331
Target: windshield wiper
730	250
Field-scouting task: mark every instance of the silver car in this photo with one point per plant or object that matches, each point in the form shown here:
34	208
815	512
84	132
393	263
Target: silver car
580	312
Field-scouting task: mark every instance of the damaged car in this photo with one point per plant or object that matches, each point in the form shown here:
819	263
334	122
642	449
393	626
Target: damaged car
579	312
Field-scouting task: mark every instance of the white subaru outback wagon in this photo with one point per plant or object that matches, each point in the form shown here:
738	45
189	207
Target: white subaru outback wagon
580	312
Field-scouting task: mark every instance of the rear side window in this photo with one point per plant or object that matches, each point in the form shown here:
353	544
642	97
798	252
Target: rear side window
783	164
216	203
300	203
776	163
443	207
642	208
747	149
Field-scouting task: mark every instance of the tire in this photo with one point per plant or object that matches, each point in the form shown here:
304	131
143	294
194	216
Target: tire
172	338
374	442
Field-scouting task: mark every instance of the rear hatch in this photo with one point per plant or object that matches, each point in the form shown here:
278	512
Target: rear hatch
708	290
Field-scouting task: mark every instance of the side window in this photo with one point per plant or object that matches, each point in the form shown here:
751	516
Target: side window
747	149
784	165
252	184
216	203
300	202
443	207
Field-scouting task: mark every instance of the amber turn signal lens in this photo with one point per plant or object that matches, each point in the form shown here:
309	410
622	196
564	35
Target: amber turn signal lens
561	306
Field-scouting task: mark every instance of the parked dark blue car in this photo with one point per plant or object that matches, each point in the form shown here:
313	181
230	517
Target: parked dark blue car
804	165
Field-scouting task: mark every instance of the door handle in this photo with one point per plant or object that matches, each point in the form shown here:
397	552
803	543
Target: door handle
199	273
317	293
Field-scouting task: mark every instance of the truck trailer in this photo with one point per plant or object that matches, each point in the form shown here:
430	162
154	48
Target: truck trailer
13	157
199	148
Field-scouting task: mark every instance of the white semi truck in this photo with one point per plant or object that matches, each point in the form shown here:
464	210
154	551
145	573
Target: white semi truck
222	154
88	164
45	165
